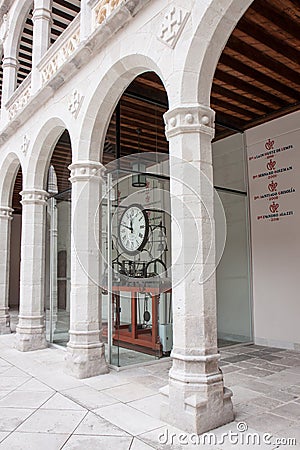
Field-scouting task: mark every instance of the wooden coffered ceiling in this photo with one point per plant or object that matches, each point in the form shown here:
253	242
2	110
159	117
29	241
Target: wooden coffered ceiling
257	76
257	79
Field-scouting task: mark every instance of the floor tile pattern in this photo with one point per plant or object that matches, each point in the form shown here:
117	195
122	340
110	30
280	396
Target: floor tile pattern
43	408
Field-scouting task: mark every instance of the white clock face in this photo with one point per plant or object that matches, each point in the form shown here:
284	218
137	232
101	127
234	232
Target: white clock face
133	229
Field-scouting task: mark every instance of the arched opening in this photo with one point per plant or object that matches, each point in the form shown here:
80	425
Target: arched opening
255	94
15	251
1	77
10	187
58	242
137	322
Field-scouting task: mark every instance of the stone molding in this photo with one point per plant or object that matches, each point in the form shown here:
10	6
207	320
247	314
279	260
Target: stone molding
34	197
86	170
10	61
195	358
42	13
189	119
172	26
198	378
30	323
6	212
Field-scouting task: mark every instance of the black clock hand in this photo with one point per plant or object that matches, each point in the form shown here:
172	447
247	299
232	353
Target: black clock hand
129	228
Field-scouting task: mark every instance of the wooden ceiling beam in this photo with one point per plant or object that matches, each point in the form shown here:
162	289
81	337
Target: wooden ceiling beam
250	88
261	77
229	121
263	59
70	5
239	98
61	13
153	94
269	40
272	14
274	115
217	103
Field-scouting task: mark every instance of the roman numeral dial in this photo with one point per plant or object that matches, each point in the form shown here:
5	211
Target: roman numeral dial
133	229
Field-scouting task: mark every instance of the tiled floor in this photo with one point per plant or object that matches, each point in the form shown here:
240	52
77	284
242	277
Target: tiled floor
43	408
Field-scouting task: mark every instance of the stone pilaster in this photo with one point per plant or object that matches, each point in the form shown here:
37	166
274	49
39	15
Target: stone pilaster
42	20
5	228
195	399
85	353
31	327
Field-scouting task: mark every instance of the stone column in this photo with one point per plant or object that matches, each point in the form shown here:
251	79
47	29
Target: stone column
85	353
85	19
10	67
5	228
42	20
195	399
31	327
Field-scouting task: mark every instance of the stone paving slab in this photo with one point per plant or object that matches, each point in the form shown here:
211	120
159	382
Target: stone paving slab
43	408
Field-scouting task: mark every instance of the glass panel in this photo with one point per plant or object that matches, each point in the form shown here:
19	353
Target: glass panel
140	304
229	163
59	260
232	275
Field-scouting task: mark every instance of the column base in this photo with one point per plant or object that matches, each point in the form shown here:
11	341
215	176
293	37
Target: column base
85	362
196	410
28	339
5	325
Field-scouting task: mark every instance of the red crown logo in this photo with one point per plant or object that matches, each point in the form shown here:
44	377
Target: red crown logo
274	207
271	165
272	186
269	145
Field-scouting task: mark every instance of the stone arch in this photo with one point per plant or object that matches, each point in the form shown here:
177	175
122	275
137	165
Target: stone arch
213	31
17	21
42	149
104	100
9	167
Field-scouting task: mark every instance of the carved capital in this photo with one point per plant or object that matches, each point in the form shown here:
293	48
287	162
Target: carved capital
86	171
41	14
6	212
34	197
189	119
10	61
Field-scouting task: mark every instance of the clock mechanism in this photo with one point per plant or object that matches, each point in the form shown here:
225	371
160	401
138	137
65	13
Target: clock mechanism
138	276
140	243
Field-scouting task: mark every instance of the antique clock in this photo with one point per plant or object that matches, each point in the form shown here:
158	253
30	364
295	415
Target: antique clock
133	229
